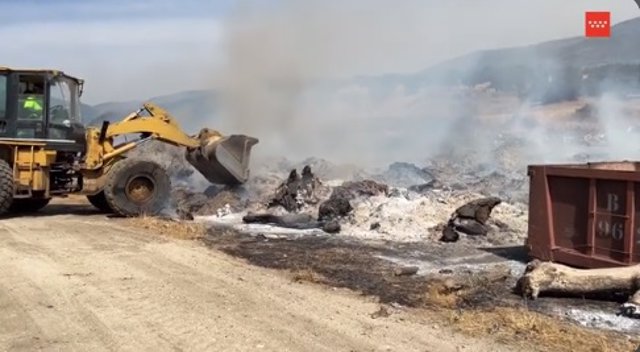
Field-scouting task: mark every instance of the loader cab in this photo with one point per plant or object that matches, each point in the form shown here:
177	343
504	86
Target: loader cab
40	104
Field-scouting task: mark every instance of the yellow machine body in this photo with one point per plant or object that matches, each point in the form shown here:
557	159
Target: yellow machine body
86	160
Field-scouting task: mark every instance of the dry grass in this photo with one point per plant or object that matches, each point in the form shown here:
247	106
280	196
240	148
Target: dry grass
519	326
532	329
443	294
183	230
307	275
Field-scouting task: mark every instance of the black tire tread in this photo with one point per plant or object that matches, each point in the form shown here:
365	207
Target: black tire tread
7	187
111	179
118	169
99	201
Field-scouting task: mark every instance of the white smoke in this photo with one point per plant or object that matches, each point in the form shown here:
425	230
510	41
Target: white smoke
274	86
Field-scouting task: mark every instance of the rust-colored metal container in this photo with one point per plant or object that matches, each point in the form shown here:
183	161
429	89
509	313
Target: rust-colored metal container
585	215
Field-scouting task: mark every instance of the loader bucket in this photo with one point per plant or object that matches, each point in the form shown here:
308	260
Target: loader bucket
223	160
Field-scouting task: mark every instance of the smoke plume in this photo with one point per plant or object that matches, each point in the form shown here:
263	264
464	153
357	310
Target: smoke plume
286	80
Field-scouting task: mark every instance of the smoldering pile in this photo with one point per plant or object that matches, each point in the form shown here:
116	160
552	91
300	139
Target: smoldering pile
406	216
404	203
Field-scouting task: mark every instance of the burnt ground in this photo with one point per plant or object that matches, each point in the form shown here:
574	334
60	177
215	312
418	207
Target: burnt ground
461	276
340	263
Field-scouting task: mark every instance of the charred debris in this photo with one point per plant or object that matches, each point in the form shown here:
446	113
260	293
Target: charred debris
441	204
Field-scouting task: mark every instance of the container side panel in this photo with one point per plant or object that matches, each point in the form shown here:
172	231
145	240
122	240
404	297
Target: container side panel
539	240
611	197
610	218
570	211
635	258
610	236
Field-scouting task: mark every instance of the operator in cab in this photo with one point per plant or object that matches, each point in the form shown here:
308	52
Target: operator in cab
33	105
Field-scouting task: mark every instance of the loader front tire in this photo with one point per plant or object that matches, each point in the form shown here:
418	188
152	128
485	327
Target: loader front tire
99	200
137	187
7	187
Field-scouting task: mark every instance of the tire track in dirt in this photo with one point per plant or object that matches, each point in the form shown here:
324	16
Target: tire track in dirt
17	327
52	315
145	300
65	302
89	283
79	267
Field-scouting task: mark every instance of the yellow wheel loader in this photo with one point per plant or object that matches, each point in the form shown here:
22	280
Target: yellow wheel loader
46	151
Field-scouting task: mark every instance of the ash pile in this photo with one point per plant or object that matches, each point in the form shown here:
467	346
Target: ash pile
447	199
403	203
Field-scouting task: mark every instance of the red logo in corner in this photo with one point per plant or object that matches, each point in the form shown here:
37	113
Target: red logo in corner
597	24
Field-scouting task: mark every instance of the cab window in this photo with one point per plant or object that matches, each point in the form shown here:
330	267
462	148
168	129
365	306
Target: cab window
3	97
31	98
60	103
62	109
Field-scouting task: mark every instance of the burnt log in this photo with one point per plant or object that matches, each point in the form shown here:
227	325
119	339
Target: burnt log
449	234
547	277
470	219
287	193
333	208
292	221
479	209
339	203
296	191
469	226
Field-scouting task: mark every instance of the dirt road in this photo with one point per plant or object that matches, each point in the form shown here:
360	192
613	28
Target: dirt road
88	283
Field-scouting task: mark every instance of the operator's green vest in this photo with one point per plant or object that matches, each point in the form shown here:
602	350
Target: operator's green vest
32	103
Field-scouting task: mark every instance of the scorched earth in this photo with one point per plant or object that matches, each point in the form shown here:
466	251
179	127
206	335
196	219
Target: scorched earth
86	282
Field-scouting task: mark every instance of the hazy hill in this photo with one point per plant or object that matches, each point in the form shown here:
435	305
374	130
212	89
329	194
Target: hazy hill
190	108
549	71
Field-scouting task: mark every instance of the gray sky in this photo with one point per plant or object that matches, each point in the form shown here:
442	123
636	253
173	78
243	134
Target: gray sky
131	50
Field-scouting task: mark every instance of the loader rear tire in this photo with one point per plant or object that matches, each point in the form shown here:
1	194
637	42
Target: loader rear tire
99	201
7	187
137	187
29	205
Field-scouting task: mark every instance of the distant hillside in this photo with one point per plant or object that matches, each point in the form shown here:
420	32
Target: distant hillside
550	71
547	72
190	108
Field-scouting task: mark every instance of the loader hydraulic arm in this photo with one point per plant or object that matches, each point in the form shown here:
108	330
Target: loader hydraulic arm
221	159
158	124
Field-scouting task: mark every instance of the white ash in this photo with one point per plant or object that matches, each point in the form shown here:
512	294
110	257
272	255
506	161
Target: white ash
408	217
402	216
475	263
226	210
234	222
600	320
402	174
